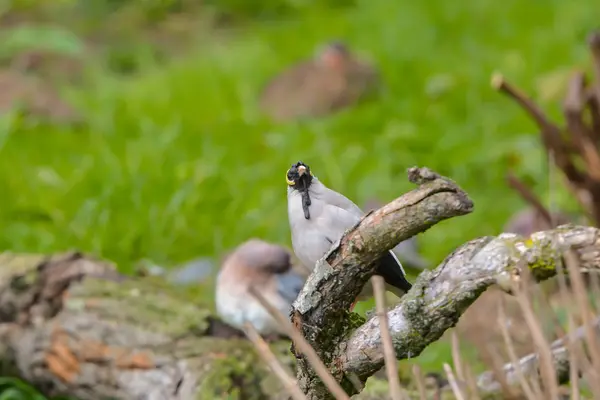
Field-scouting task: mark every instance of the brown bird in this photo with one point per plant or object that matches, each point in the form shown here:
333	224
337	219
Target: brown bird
267	267
33	97
332	80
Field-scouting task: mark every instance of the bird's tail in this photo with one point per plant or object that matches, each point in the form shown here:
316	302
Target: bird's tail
393	273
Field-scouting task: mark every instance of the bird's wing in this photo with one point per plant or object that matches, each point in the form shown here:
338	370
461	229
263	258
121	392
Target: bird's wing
289	285
334	220
337	199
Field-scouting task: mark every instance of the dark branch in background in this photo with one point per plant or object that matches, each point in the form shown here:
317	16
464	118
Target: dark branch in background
574	149
594	45
530	197
321	310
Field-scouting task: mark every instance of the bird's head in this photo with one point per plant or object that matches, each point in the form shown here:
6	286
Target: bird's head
333	54
299	176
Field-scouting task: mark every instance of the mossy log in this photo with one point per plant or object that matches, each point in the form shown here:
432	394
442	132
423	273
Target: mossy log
73	325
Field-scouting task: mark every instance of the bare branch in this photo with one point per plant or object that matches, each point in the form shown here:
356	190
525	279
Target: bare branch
389	354
594	45
529	196
583	137
439	297
551	134
535	112
272	362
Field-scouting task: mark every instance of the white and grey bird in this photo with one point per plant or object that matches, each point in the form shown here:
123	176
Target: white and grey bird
319	216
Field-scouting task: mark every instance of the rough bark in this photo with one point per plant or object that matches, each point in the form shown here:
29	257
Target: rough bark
438	298
72	325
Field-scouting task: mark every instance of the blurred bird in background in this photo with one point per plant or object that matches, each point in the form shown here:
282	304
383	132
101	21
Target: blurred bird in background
332	80
268	268
531	220
318	217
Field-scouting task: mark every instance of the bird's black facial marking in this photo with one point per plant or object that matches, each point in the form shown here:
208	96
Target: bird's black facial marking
297	181
301	181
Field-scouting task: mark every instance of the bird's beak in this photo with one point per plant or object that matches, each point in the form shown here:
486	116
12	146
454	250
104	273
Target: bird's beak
301	170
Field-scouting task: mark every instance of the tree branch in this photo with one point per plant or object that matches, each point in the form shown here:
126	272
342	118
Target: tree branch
439	297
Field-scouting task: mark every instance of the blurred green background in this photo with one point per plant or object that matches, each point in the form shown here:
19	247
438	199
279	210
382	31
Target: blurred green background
174	159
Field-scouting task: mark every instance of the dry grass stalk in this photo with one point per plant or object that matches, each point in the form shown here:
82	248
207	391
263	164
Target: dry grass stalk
273	363
581	299
574	346
301	344
419	381
573	364
496	365
594	45
458	364
510	349
471	383
389	353
548	373
453	384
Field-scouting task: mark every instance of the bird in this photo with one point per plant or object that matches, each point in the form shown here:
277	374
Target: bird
268	268
333	79
530	220
35	98
319	216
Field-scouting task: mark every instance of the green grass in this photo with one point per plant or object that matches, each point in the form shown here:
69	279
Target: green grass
178	162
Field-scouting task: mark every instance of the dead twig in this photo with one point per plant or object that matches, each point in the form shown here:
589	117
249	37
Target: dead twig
419	381
548	374
528	196
579	291
391	368
594	46
512	355
453	384
273	363
458	365
550	133
573	107
300	343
